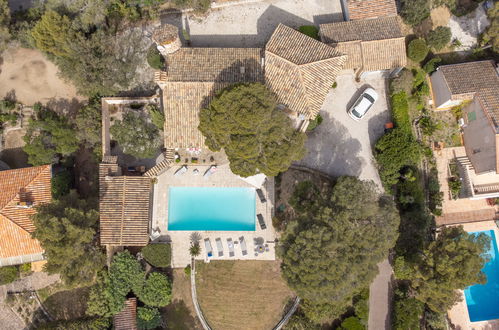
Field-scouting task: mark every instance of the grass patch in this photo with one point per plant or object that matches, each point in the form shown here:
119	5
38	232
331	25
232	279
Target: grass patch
154	58
310	30
64	304
235	293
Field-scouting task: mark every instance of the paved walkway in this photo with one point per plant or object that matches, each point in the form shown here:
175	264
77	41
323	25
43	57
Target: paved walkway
10	320
380	298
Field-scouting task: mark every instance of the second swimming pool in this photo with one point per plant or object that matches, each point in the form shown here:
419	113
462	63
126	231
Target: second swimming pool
211	209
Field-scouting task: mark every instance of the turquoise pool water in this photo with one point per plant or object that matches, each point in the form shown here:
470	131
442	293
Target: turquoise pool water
213	209
483	300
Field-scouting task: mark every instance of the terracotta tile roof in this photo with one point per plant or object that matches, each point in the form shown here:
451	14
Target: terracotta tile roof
465	80
25	185
465	217
193	76
182	102
127	318
371	45
215	64
364	9
300	70
124	203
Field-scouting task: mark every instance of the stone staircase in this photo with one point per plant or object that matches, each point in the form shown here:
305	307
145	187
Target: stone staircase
169	157
466	165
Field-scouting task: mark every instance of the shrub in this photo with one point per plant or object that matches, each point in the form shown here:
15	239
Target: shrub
335	84
454	186
187	270
417	50
314	123
100	323
400	111
439	38
155	291
154	58
432	65
202	6
157	116
8	274
158	255
148	318
351	323
310	30
61	184
415	11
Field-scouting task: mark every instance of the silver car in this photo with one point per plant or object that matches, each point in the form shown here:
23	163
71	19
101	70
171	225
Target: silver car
363	104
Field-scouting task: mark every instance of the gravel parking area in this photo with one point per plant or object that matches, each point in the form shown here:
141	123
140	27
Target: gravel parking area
251	24
340	145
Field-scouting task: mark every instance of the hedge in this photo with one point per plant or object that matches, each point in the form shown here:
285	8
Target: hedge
400	111
158	255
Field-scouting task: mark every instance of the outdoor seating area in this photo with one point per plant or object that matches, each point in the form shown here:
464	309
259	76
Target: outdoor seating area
237	249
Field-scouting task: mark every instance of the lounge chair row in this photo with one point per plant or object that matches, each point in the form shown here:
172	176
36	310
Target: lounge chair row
220	248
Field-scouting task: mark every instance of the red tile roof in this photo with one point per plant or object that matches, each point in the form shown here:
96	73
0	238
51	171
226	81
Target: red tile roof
29	185
127	318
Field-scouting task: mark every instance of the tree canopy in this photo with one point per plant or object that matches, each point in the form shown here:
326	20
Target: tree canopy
331	251
452	262
155	291
66	229
148	318
256	136
89	124
4	24
136	136
439	38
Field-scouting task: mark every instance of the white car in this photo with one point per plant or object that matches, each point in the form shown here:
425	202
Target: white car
363	104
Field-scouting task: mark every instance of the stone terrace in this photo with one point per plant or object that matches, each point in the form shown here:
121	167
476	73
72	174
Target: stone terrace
180	240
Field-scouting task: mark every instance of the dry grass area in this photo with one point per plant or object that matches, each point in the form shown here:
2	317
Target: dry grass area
440	16
27	76
241	294
63	304
180	314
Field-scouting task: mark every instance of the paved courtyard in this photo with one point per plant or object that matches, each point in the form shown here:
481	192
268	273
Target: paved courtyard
252	23
340	145
180	240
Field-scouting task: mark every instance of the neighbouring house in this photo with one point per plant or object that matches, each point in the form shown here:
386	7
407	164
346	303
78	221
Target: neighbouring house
127	318
370	44
365	9
474	87
124	205
22	190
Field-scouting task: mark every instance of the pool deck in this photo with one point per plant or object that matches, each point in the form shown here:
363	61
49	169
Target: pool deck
180	240
458	314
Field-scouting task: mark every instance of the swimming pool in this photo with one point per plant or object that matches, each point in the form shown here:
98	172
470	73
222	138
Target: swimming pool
483	300
210	208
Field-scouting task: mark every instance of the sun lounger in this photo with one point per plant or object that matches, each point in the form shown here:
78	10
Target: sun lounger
181	170
244	250
210	171
231	247
207	245
220	247
261	221
260	194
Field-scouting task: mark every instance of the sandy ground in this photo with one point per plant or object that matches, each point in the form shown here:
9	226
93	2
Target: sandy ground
251	24
467	28
27	76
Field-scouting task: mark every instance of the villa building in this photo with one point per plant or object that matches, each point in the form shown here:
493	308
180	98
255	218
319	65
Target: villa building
365	9
473	86
22	189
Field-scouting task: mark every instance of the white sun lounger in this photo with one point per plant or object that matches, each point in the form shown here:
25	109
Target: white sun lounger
220	247
230	244
181	170
207	245
210	171
242	242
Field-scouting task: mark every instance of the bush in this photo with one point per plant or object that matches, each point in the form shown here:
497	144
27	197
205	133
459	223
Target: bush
400	111
351	323
8	274
417	50
187	270
61	184
155	291
407	312
158	255
148	318
335	84
432	65
154	58
314	123
439	38
157	116
310	30
415	11
454	186
101	323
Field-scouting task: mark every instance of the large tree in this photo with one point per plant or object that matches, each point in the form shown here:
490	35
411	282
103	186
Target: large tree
452	262
256	136
66	229
331	249
136	136
88	123
4	24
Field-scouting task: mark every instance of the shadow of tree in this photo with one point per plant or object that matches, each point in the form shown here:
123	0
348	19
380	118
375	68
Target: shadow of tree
178	316
15	157
68	107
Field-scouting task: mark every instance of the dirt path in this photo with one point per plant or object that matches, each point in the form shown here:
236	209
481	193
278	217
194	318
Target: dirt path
380	297
28	77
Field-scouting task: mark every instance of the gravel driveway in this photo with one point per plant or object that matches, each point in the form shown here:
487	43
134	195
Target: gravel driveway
340	145
252	23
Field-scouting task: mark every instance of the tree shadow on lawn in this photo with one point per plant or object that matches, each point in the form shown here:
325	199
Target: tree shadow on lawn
68	304
178	316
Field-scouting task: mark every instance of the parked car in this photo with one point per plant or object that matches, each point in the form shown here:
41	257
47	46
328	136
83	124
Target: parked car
363	104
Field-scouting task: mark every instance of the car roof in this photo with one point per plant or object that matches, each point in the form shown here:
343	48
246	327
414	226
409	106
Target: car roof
363	105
